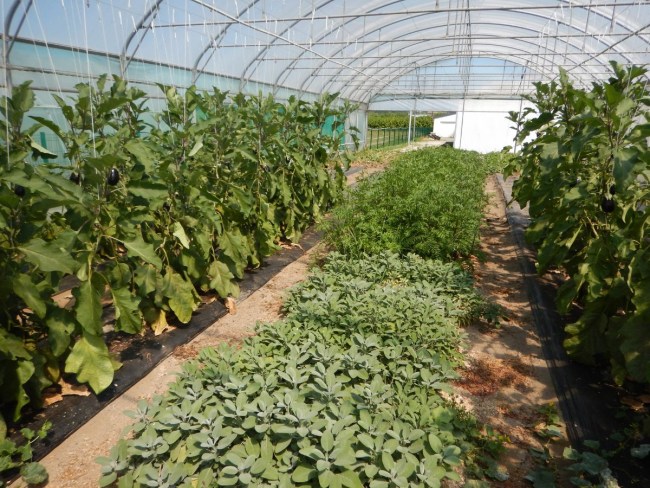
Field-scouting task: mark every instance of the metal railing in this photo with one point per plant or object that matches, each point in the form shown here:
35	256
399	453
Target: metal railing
392	137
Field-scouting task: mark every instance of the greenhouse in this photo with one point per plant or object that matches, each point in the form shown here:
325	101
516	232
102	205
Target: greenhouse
325	243
474	59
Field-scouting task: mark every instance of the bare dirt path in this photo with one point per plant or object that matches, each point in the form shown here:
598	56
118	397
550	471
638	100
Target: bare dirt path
506	383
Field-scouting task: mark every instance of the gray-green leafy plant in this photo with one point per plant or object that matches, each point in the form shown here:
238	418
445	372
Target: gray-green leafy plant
347	391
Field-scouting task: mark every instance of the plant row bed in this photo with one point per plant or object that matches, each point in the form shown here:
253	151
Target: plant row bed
429	202
160	203
153	209
350	389
584	173
141	353
590	403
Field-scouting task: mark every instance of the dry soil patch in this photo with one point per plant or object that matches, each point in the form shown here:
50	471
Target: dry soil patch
505	382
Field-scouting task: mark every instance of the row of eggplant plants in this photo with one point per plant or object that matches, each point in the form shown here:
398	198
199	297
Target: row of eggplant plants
584	172
153	209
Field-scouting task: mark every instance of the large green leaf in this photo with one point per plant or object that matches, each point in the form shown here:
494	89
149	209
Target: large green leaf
60	326
88	305
242	199
127	314
17	366
147	277
48	257
624	163
143	152
149	190
91	362
234	245
49	124
635	347
180	293
137	247
197	147
27	290
179	233
222	280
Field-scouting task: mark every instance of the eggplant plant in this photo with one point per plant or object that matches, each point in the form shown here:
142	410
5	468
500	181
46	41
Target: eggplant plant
586	179
151	210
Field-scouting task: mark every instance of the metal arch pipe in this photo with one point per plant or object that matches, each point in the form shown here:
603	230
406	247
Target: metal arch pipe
594	56
10	18
536	15
410	18
216	38
236	21
8	46
125	60
343	24
517	8
266	48
415	44
443	11
492	54
268	33
438	47
521	59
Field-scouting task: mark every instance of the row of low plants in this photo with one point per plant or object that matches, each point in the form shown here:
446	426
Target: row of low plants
584	172
347	390
429	202
395	120
153	209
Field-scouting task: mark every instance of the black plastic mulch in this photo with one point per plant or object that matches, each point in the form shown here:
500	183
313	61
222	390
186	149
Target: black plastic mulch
140	354
589	401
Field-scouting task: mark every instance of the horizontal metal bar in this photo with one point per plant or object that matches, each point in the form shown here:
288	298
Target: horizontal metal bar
402	13
428	56
313	45
480	76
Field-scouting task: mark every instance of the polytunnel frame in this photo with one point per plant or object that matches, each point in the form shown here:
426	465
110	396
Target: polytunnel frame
147	20
414	43
243	79
510	57
521	10
545	72
124	59
554	51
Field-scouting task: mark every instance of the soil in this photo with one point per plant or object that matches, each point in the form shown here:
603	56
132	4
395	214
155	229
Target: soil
504	382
